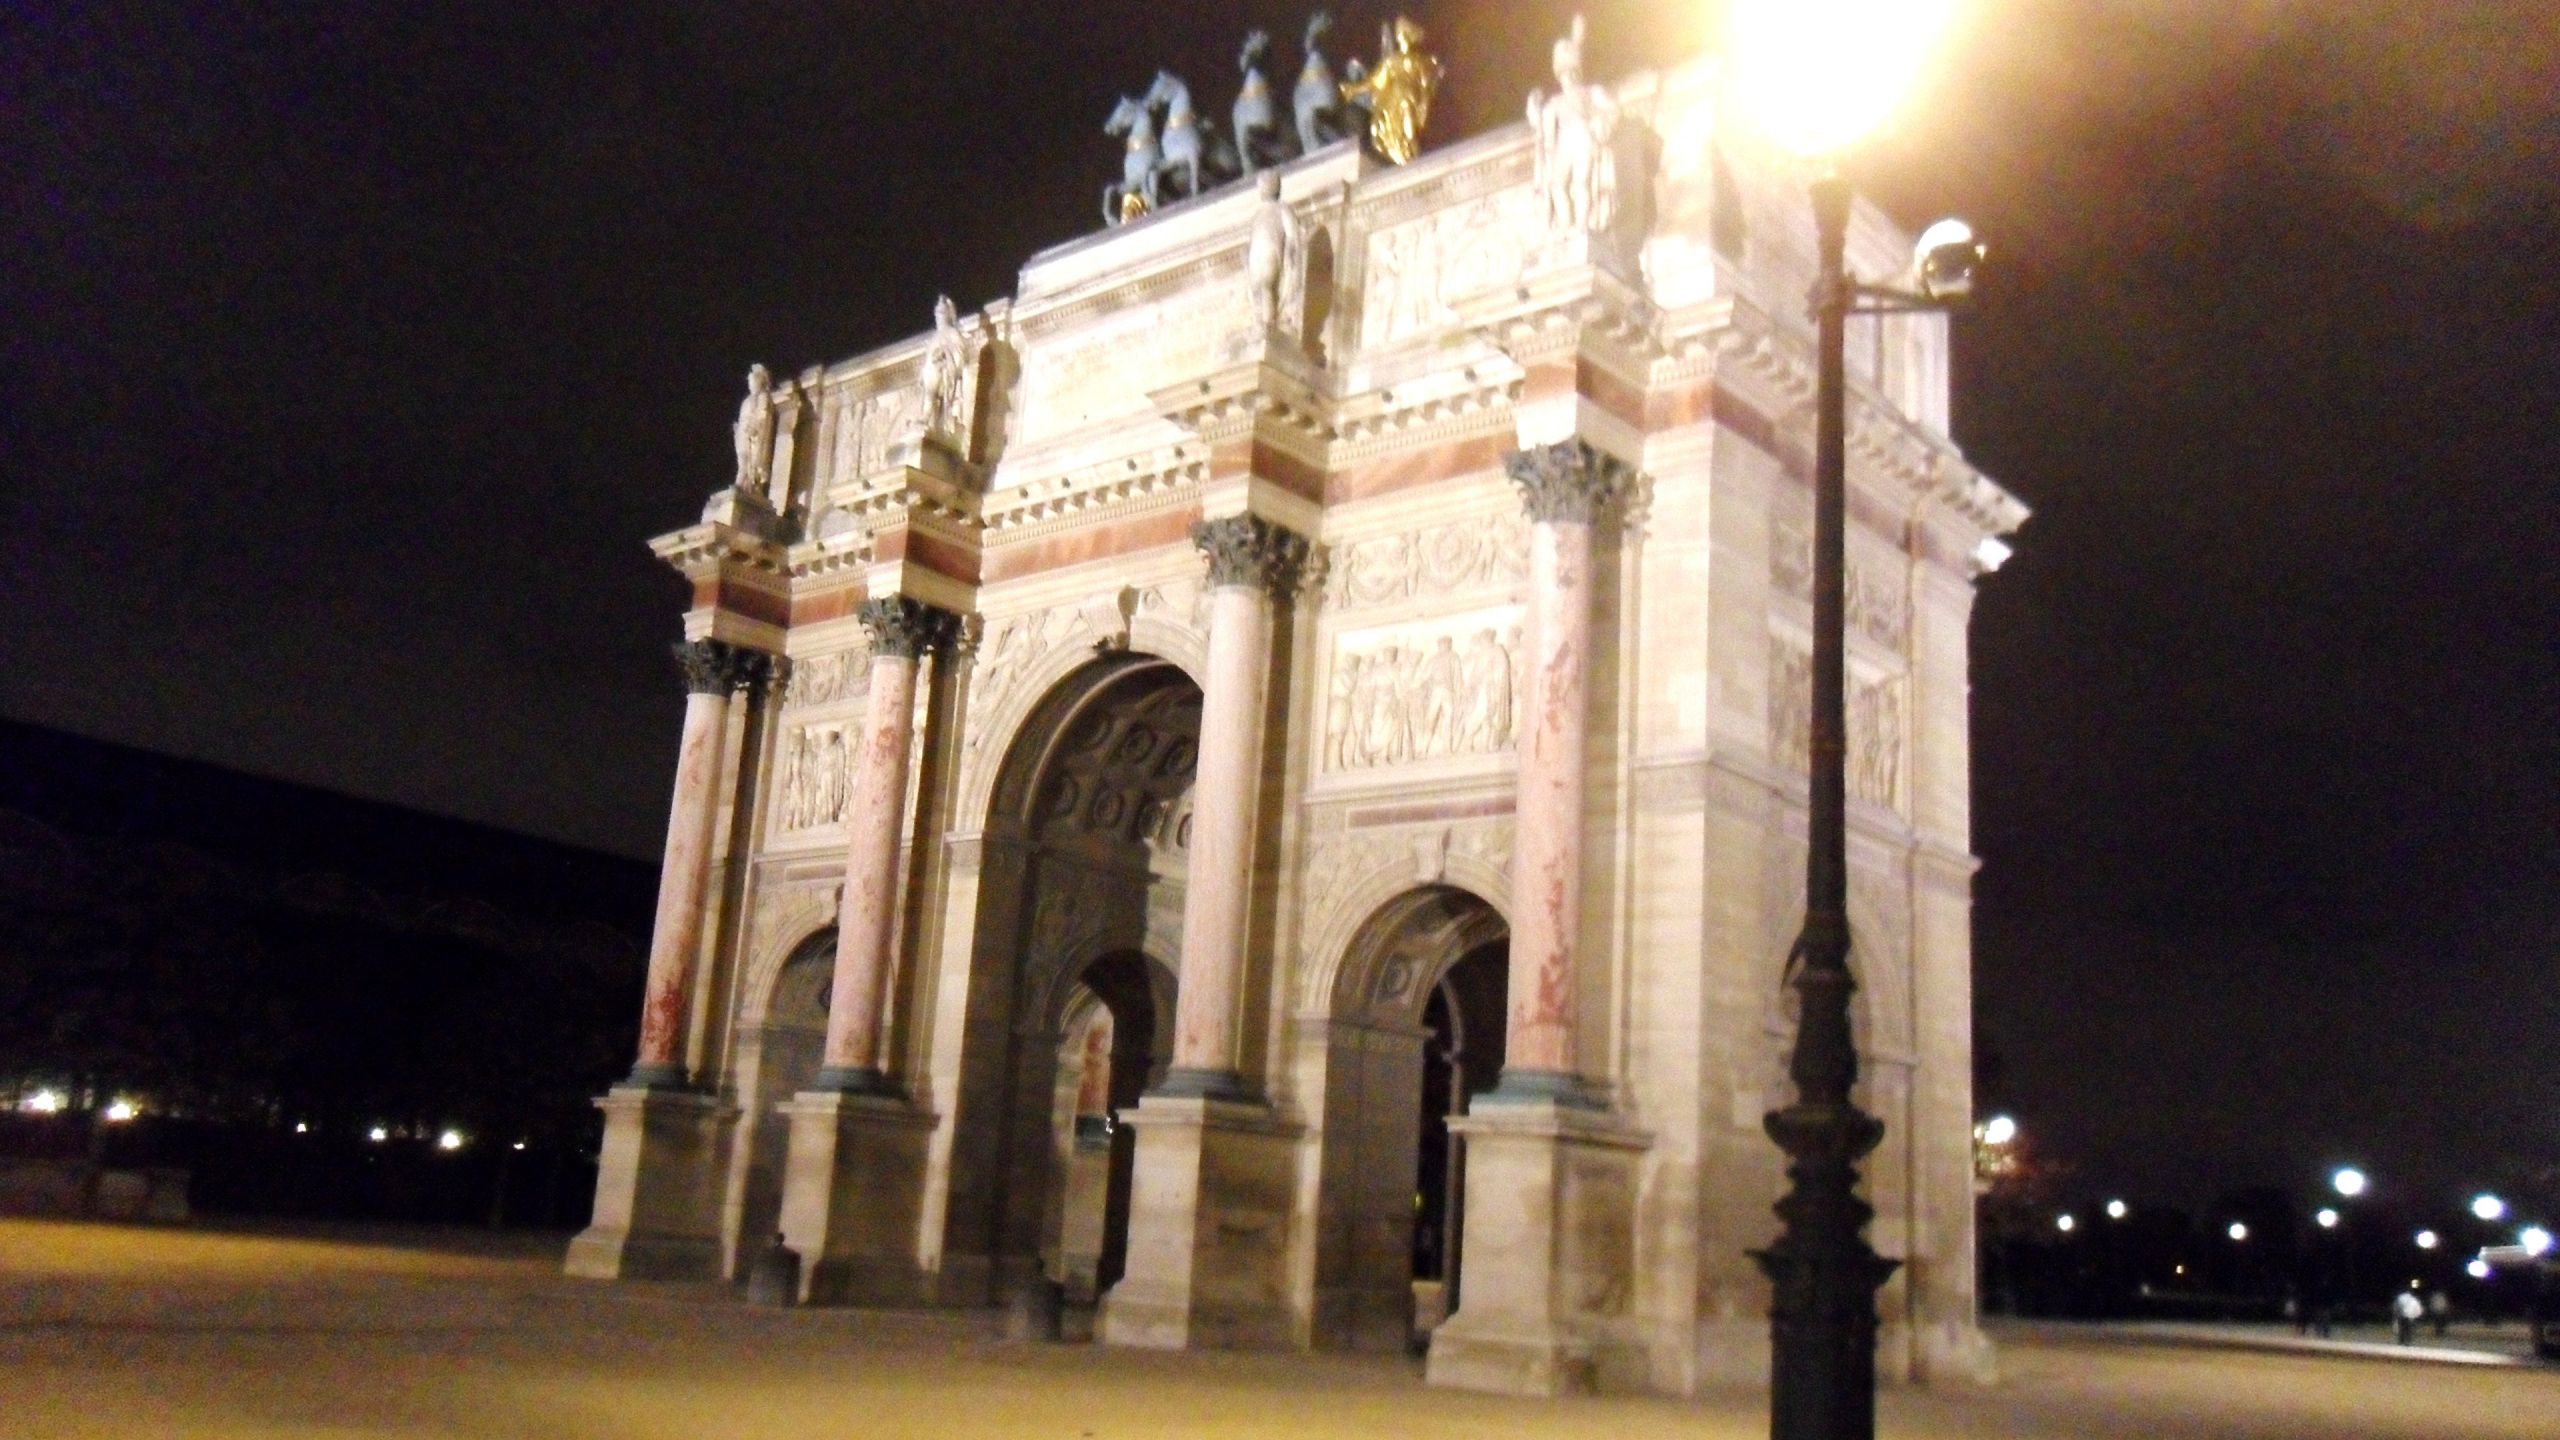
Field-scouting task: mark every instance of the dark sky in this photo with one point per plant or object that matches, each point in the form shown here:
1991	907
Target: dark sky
348	355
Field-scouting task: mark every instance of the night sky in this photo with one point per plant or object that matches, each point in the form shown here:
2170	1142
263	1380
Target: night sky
349	354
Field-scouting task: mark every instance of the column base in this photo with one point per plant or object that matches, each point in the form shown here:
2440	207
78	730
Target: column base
1204	1084
1208	1229
657	1210
853	1197
855	1080
1549	1248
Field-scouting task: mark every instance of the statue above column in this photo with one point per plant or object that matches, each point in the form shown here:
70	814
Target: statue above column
753	434
905	626
1577	172
1567	482
715	667
1275	260
941	380
1251	551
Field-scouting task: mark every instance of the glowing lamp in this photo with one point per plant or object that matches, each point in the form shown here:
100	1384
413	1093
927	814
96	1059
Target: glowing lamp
2428	1240
2349	1181
1999	1130
2116	1209
2065	1223
2488	1207
2536	1241
2237	1231
1816	75
2327	1217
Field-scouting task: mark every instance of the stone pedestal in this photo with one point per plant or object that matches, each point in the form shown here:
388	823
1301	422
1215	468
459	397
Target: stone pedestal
1208	1229
853	1197
657	1212
1550	1248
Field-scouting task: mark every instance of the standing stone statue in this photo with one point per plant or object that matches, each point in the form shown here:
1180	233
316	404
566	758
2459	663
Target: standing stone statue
1577	173
1398	92
1275	259
946	365
753	434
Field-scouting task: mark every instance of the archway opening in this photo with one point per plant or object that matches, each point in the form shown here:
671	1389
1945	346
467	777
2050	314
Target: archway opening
778	1056
1416	1032
1071	993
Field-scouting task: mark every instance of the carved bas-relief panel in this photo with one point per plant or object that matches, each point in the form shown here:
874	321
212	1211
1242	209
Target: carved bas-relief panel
814	776
1875	724
1425	691
1490	552
1875	607
1418	271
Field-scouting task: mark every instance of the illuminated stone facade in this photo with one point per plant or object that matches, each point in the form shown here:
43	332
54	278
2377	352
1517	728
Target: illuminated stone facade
1268	679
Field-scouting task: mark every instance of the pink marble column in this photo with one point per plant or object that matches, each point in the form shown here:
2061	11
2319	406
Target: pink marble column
712	670
1566	488
902	631
1249	559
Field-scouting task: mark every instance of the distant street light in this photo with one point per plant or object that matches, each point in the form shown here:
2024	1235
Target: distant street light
377	1134
449	1140
2327	1217
2116	1209
2349	1181
2427	1240
2237	1231
44	1102
2535	1240
2065	1223
2477	1269
1999	1130
2488	1207
118	1112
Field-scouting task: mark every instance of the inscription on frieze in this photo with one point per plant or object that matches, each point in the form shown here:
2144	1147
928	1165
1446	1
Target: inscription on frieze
1107	369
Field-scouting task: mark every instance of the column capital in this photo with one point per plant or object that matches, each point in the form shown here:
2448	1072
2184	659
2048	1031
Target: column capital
1569	481
904	625
1249	550
716	667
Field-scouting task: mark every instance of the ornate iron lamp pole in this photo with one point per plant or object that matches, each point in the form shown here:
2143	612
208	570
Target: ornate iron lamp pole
1816	98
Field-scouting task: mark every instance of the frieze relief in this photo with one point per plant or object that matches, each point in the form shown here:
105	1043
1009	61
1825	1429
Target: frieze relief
814	776
1423	692
827	679
1490	552
1875	725
1416	272
865	428
1875	608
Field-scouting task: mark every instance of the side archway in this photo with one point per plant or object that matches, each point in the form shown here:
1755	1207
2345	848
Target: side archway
780	1043
1413	1031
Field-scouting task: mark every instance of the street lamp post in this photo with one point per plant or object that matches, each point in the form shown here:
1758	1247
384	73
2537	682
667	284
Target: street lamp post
1819	75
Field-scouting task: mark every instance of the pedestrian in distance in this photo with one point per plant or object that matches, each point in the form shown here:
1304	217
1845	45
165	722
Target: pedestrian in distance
2405	1310
2439	1312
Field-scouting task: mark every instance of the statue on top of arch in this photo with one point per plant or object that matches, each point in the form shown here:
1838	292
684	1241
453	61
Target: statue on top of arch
1577	172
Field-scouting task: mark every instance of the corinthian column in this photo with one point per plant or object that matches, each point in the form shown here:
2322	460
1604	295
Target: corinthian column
902	630
1250	559
712	670
1565	487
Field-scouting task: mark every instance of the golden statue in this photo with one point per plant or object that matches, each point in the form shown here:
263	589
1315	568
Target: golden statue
1398	92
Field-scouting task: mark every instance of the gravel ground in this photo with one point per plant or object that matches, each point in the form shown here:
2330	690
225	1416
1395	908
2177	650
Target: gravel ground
309	1332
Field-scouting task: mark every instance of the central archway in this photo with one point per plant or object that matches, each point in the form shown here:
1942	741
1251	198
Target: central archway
1416	1031
1070	1014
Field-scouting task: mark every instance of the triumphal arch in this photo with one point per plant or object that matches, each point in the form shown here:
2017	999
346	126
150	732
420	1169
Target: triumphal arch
1260	779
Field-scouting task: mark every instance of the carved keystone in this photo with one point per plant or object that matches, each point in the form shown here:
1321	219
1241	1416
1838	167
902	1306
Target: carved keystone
1568	482
904	625
715	667
1249	550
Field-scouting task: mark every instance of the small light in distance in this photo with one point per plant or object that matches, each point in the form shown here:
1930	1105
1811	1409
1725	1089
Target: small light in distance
2116	1210
301	1127
2488	1207
449	1140
2349	1181
2535	1240
377	1134
2237	1231
1999	1130
2327	1217
2427	1239
44	1102
2477	1269
2065	1223
118	1111
519	1145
